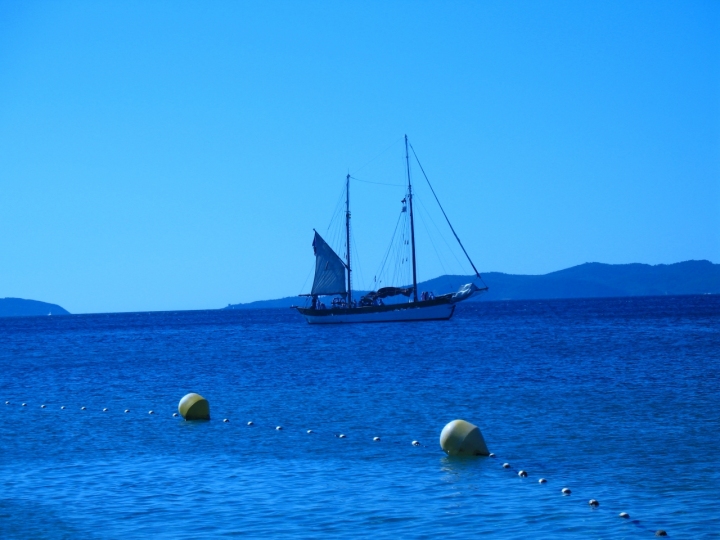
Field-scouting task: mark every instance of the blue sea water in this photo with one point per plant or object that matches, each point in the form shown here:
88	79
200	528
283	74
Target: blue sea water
616	399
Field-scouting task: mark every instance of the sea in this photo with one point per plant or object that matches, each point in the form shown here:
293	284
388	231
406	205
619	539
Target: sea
617	400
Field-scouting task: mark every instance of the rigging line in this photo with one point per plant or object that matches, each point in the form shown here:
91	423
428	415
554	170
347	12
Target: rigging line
446	218
357	265
399	260
401	257
387	253
390	275
423	215
389	271
380	154
402	272
376	183
387	274
306	279
424	224
335	228
407	253
338	208
419	199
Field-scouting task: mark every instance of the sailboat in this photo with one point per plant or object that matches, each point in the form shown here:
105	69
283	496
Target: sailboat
333	277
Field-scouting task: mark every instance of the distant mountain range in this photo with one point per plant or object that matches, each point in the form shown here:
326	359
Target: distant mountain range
589	280
18	307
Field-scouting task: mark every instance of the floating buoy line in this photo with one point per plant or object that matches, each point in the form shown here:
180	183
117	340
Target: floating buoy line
194	407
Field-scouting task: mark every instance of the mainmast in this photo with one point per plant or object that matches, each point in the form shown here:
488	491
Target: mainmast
347	231
412	223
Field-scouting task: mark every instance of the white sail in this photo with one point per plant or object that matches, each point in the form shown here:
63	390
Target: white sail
329	270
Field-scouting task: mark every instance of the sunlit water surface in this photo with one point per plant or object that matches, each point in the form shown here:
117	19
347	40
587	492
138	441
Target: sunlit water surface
617	399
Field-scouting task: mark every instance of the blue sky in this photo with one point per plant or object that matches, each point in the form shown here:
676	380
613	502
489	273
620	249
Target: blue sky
177	155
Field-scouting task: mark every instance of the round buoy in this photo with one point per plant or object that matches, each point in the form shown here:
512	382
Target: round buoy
225	420
42	406
194	407
151	412
506	465
542	481
105	409
127	410
461	438
7	403
593	502
415	443
660	533
62	407
624	515
278	428
83	408
309	431
250	423
24	404
491	454
522	474
341	436
566	491
175	415
376	439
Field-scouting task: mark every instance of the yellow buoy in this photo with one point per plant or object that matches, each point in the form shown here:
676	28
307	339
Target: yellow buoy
461	438
194	407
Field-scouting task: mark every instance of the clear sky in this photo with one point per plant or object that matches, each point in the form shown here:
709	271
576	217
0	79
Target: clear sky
177	155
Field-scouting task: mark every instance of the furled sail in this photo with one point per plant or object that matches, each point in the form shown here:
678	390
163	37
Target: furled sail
329	269
393	291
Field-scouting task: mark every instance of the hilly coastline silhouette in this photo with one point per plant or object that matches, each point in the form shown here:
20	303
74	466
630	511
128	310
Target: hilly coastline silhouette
19	307
589	280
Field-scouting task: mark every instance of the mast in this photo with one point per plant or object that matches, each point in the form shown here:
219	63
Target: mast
347	231
412	223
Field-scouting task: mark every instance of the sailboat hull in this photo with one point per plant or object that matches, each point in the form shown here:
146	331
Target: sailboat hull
420	311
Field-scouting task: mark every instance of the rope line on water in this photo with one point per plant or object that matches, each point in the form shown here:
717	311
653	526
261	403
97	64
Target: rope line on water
523	474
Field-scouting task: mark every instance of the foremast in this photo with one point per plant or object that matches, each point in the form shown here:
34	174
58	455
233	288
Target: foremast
412	223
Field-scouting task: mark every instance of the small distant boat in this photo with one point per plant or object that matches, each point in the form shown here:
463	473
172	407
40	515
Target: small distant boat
333	277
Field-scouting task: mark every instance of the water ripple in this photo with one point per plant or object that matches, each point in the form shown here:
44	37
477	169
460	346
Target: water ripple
615	398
